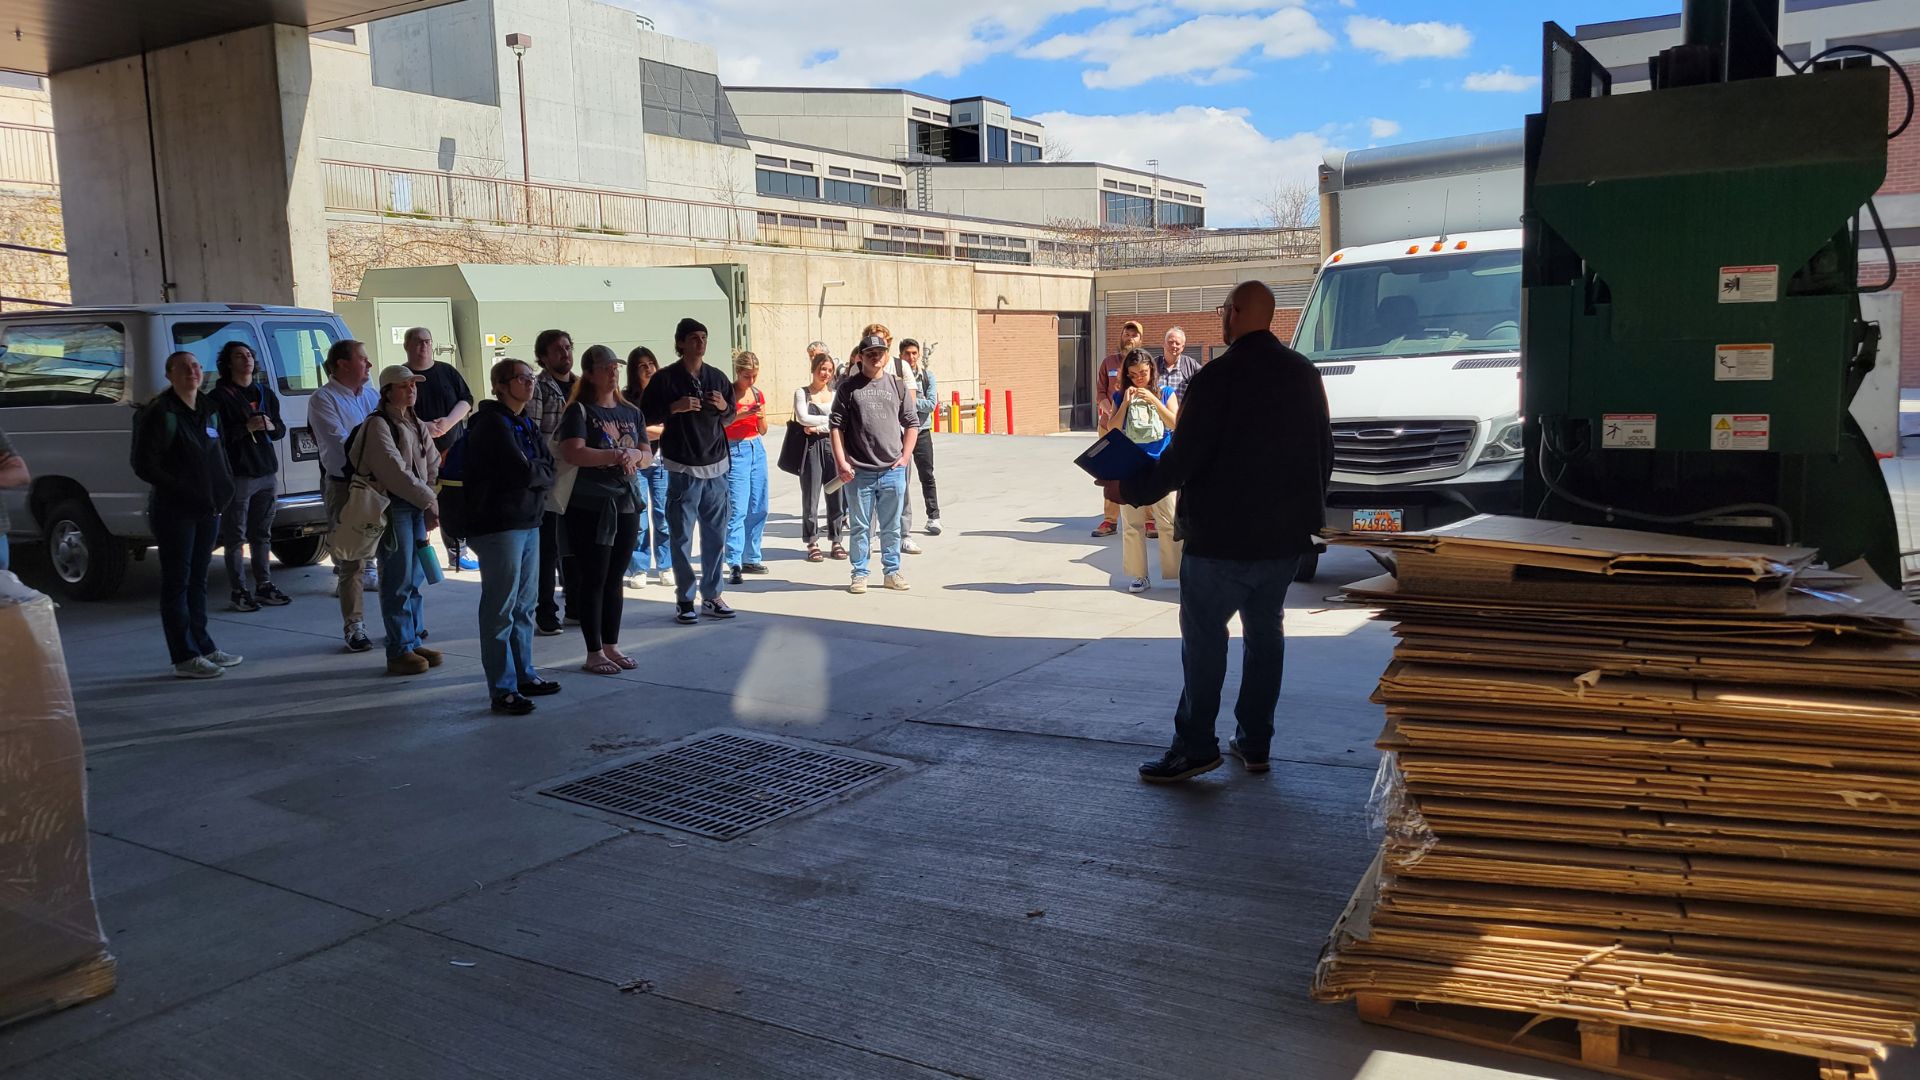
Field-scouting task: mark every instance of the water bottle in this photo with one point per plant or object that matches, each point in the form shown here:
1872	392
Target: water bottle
429	562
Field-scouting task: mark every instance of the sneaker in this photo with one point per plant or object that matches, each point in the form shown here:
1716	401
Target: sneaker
512	705
198	668
1175	766
1139	585
686	616
716	608
1106	528
270	596
549	629
858	585
933	526
632	581
754	568
243	601
908	547
733	576
897	582
433	657
1253	760
659	577
370	578
407	663
466	562
224	659
357	640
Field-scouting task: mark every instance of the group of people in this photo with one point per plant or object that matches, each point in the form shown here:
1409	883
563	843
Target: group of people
561	489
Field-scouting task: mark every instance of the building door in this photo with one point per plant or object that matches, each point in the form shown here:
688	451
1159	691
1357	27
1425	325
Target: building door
1076	372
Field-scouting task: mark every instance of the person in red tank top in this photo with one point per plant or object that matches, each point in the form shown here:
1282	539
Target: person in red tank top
746	471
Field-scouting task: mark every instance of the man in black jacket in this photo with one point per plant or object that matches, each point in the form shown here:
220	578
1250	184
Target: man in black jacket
508	472
1250	457
249	426
176	448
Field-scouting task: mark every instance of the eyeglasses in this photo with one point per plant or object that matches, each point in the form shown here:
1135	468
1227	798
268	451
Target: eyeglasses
522	377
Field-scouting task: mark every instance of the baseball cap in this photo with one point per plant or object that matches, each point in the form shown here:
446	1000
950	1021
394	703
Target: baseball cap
395	374
871	341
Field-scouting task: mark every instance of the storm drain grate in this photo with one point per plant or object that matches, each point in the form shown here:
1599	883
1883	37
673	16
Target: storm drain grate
721	785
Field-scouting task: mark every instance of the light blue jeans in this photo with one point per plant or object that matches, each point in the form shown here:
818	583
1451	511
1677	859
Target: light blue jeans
401	607
651	553
873	501
747	500
509	583
5	554
693	504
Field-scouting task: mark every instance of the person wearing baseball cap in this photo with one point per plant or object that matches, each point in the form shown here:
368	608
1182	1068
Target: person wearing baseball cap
397	450
874	426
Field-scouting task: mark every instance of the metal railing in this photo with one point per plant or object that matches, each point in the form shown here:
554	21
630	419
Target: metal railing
27	156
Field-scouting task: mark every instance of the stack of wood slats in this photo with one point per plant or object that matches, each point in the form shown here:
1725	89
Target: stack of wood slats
1654	781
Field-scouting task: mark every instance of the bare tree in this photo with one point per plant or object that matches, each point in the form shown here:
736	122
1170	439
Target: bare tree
1054	148
357	247
1290	206
730	192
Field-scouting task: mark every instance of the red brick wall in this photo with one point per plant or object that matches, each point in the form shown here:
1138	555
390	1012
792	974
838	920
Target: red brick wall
1909	288
1021	352
1903	154
1202	327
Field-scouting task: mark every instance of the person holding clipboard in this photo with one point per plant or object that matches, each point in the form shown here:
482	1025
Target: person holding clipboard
1251	456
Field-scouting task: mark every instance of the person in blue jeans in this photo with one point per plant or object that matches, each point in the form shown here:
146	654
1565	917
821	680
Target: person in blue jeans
1258	410
874	426
509	470
650	555
694	403
746	471
13	474
398	450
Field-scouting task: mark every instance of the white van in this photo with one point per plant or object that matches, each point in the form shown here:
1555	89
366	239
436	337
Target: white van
70	379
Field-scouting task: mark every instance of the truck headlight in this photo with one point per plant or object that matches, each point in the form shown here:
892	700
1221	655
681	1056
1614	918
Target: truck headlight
1508	442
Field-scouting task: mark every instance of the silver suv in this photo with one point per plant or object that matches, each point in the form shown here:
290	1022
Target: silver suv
69	382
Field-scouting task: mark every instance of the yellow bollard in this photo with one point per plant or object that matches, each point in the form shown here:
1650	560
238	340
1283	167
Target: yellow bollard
953	416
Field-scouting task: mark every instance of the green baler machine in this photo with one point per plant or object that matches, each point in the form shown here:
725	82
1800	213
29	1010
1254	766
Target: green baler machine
1692	318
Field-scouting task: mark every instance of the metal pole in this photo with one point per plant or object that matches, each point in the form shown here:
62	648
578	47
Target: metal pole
526	170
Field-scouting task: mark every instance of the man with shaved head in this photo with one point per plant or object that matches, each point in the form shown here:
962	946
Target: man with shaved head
1251	455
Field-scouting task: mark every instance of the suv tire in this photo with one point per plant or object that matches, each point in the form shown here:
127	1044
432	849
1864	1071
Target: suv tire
89	562
298	550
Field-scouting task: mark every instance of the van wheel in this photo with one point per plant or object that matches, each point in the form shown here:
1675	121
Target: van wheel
89	561
1309	566
298	551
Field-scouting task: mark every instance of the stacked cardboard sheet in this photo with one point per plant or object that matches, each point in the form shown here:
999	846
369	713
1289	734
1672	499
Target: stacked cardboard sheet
1645	780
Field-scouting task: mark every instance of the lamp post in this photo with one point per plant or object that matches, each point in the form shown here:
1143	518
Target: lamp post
520	43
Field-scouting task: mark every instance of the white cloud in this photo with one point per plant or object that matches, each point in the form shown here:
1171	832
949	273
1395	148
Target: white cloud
1383	129
1404	41
1201	49
1504	81
1217	147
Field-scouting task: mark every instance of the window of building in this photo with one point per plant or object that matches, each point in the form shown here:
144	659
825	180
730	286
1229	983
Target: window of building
1111	184
773	162
1014	241
835	170
1024	152
687	104
833	224
787	184
1125	210
63	363
841	191
799	222
768	218
934	235
890	180
800	166
879	230
981	254
859	174
923	114
996	143
903	247
969	238
1181	216
943	118
344	35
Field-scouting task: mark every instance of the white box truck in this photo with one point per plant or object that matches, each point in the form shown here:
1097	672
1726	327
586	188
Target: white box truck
1414	323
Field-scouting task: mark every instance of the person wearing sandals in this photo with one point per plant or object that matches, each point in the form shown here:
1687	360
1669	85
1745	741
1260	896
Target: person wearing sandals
605	438
650	555
1144	411
249	426
396	448
176	449
746	471
695	403
509	471
812	410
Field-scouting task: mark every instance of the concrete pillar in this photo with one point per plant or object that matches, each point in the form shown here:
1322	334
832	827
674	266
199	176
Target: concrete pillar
193	173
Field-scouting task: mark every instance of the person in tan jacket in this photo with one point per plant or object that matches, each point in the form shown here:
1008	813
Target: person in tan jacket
400	455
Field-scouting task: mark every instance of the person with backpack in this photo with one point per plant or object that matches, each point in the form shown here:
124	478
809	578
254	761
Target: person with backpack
1145	411
505	471
334	413
395	447
604	436
249	425
177	449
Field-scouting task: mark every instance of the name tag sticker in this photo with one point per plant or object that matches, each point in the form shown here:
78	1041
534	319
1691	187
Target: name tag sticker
212	432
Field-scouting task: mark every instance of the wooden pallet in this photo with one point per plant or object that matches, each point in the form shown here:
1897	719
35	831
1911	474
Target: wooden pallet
81	983
1637	1053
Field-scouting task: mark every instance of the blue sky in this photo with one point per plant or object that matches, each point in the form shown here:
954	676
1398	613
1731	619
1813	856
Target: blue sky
1242	95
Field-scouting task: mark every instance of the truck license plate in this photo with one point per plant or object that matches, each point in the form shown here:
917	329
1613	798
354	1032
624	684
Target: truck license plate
1383	521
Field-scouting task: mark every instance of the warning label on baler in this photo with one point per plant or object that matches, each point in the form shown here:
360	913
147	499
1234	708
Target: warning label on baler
1749	284
1628	431
1741	431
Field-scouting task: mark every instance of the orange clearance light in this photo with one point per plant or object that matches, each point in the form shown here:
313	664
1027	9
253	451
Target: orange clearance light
1436	246
1414	250
1461	246
1337	258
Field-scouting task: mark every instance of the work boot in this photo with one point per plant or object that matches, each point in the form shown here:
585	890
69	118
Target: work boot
433	657
1175	766
407	663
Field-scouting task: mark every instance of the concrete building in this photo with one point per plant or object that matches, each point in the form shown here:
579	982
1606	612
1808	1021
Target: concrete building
1809	28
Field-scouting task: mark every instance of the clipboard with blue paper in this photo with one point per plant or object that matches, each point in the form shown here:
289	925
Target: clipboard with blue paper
1113	456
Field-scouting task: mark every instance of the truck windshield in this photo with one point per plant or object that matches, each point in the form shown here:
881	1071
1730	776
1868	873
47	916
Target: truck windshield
1416	306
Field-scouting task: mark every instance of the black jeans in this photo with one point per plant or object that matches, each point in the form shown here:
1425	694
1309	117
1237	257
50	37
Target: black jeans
1212	591
248	521
923	464
817	469
552	554
595	572
186	547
